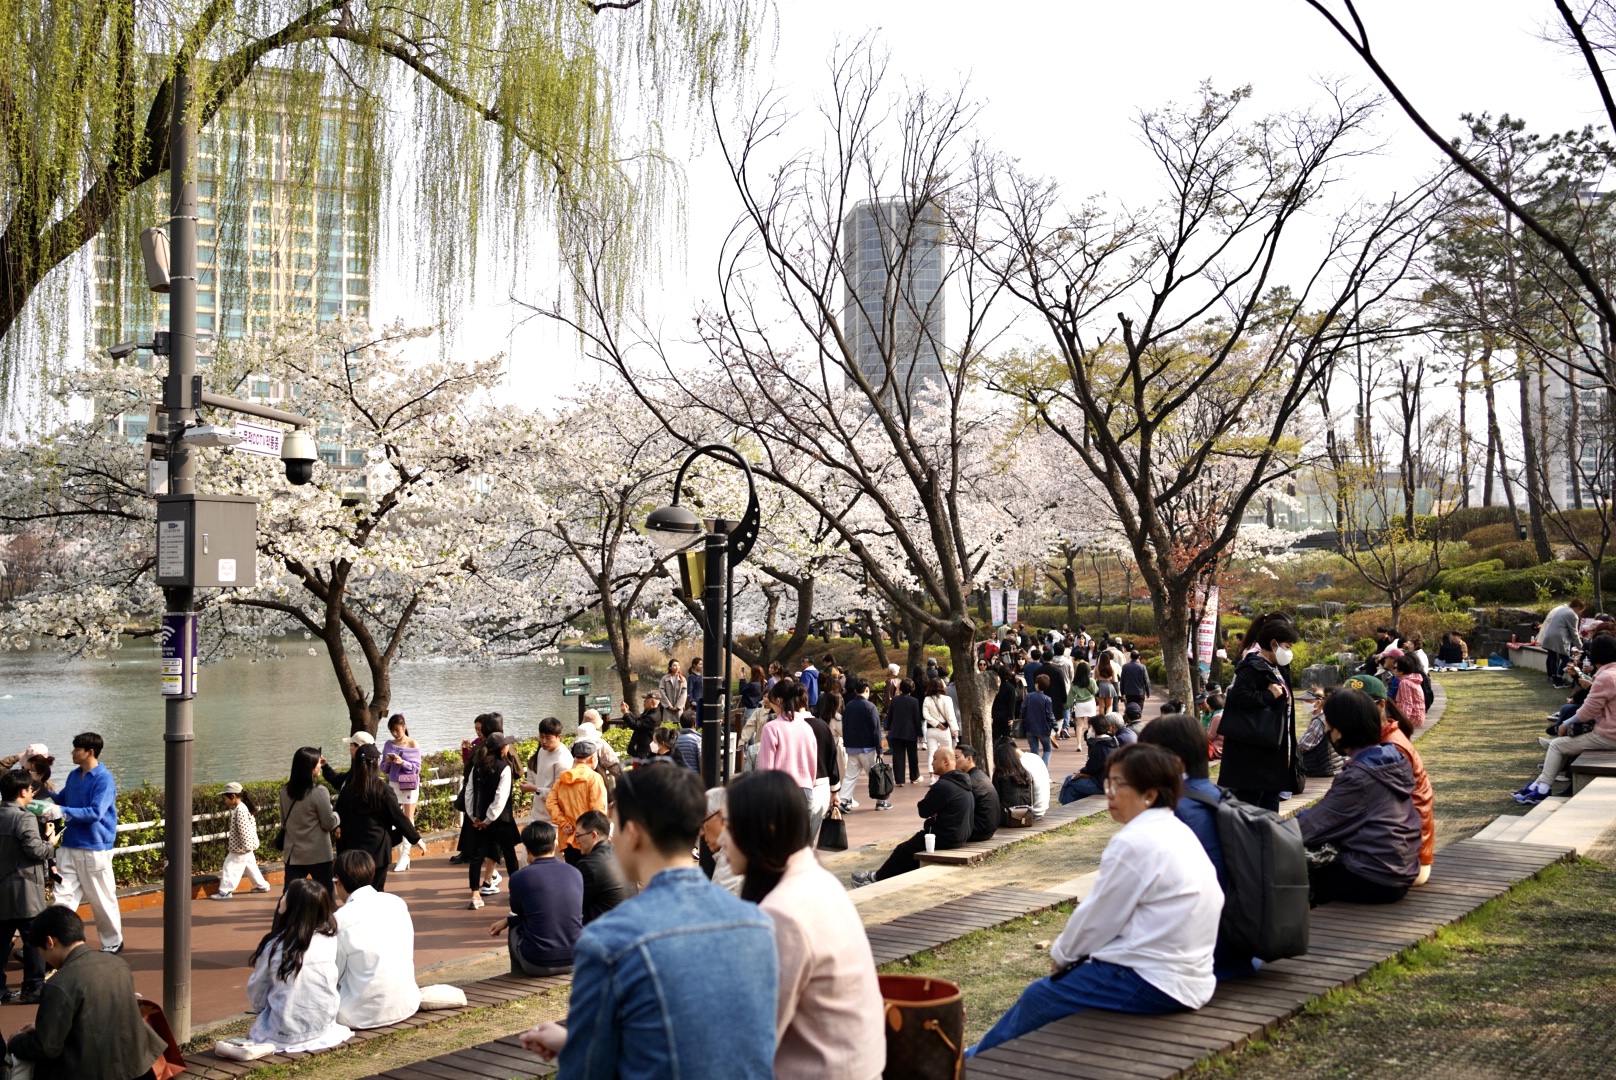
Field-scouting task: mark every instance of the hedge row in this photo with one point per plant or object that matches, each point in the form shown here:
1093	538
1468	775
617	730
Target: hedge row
1490	581
145	803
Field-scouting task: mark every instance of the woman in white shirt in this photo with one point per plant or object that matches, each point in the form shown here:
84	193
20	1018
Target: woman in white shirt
293	986
1142	942
942	723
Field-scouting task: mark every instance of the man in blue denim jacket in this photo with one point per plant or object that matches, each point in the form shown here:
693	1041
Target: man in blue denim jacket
679	982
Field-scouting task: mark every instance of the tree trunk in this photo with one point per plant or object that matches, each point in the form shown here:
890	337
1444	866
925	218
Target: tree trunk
973	711
1532	452
877	640
1172	608
1464	434
1099	589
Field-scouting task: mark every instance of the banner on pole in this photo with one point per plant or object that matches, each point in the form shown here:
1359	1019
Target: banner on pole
997	601
1206	633
1010	596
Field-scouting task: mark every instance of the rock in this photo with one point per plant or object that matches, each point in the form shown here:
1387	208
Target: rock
1321	675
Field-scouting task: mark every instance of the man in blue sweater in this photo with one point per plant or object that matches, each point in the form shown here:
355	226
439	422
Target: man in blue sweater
88	803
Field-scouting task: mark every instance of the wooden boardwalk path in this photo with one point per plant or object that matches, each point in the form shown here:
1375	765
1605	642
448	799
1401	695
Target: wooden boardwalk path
1346	942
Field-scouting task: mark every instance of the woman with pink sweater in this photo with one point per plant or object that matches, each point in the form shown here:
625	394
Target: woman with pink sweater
787	743
828	1005
1411	690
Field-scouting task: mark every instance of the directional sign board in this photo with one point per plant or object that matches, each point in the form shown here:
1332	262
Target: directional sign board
575	680
574	691
601	699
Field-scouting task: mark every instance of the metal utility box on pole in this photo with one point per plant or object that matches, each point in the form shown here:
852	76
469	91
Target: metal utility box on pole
179	618
207	541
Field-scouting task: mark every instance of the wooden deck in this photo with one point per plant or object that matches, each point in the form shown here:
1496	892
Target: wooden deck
1347	941
976	851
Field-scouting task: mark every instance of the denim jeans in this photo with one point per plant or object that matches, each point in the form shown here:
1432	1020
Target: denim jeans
1079	787
645	982
1042	745
1093	984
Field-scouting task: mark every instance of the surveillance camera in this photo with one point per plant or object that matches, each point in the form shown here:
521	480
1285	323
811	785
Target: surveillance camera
123	350
154	248
298	454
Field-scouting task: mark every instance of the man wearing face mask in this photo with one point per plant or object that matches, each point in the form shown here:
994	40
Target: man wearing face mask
1259	718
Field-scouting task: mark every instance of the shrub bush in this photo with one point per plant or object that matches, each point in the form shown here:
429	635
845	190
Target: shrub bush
1458	524
1492	535
1490	582
1515	555
1418	620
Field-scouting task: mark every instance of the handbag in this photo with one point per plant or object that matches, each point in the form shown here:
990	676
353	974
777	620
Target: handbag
171	1063
881	779
833	830
279	842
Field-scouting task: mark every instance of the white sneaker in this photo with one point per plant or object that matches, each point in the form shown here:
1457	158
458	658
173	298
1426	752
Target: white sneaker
403	863
850	804
221	896
491	889
495	880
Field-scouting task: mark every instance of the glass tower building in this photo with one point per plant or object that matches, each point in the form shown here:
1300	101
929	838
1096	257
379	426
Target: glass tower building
893	294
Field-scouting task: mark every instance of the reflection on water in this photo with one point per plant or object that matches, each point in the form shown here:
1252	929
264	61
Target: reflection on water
251	716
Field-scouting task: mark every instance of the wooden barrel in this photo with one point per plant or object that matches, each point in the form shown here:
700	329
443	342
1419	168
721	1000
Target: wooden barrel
925	1024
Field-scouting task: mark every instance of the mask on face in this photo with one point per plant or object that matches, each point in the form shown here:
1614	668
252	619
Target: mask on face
1283	655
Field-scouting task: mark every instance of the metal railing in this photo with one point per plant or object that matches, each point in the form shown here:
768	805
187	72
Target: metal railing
136	826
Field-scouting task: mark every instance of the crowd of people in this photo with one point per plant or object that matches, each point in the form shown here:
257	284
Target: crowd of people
1582	661
634	875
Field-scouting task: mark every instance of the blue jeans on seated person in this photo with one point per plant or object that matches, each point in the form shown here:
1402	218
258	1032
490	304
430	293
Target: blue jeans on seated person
1079	787
1093	984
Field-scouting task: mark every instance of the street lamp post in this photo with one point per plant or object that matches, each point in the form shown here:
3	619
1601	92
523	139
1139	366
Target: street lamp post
725	543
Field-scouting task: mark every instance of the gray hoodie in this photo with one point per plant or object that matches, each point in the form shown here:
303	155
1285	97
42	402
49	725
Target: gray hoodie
1369	815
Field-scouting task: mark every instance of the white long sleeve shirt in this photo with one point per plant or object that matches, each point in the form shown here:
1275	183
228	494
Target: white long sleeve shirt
1154	908
1040	782
546	767
375	960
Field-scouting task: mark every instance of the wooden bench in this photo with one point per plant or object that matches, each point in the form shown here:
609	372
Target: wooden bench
1589	764
495	991
975	851
1346	942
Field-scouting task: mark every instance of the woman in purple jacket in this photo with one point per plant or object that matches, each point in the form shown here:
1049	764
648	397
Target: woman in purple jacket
1363	837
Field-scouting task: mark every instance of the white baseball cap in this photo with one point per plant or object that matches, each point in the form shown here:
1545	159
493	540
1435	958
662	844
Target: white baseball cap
361	738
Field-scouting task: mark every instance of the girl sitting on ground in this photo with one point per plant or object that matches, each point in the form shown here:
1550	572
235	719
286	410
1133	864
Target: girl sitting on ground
293	986
1142	941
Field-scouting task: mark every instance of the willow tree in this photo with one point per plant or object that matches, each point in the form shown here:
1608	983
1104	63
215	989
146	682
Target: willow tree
474	115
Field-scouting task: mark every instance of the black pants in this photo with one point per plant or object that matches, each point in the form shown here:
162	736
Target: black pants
495	842
902	750
1268	800
33	964
1334	882
320	871
902	860
1556	665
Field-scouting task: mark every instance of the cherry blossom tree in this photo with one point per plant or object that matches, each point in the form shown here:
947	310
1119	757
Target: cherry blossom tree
408	552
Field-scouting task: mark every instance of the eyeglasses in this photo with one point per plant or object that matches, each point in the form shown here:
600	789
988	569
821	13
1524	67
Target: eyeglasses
1111	785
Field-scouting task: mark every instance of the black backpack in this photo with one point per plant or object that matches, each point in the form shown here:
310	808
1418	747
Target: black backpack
1265	897
881	779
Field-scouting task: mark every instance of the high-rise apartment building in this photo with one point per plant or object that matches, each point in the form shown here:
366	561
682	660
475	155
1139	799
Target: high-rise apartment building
892	309
283	236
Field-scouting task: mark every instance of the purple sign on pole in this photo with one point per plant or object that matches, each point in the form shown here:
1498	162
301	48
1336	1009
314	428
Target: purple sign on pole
177	637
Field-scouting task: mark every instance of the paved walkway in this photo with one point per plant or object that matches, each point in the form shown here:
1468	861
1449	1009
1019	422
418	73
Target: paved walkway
225	933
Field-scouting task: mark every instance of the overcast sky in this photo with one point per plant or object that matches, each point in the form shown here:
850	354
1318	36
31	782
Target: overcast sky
1062	85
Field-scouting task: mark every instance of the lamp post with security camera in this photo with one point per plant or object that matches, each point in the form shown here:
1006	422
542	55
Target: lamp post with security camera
203	541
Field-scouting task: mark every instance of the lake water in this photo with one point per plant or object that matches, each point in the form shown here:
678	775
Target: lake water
251	716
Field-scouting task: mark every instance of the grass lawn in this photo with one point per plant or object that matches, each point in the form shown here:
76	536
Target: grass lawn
1493	996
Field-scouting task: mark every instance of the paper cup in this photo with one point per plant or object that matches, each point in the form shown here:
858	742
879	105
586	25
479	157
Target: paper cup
931	842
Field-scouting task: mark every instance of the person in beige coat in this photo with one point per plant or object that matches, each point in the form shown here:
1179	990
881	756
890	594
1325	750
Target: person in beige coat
828	1007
